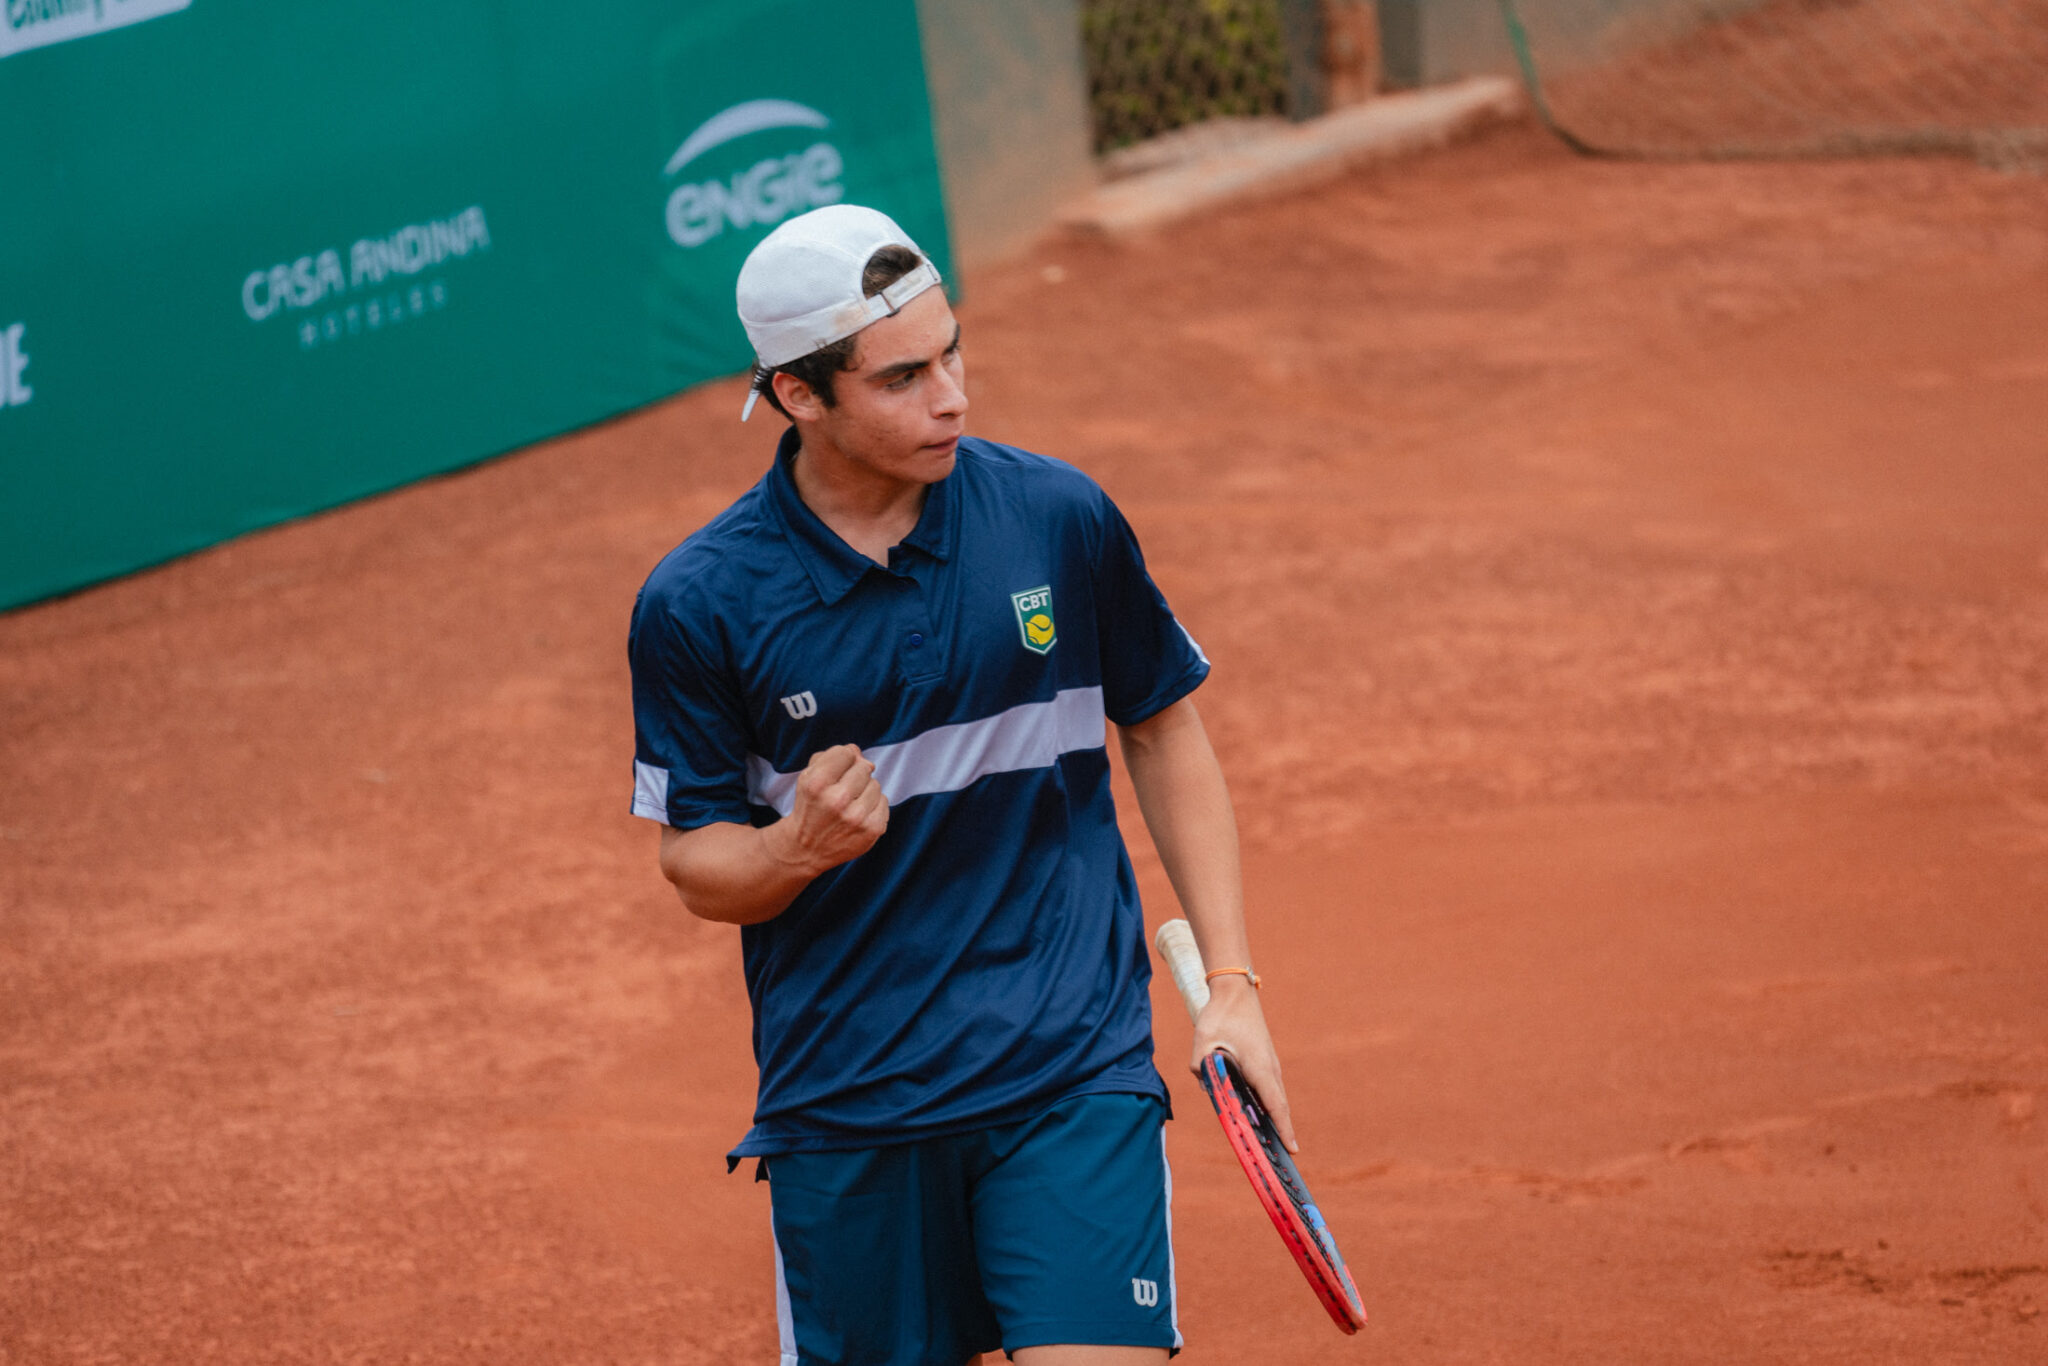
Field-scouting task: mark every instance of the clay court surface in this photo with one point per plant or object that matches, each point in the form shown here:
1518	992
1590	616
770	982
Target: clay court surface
1628	590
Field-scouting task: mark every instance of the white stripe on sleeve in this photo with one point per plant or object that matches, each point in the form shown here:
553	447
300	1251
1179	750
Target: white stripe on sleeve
650	792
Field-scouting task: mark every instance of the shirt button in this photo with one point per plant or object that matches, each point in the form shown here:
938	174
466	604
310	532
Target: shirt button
916	639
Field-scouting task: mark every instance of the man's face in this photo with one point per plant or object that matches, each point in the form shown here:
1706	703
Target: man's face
903	405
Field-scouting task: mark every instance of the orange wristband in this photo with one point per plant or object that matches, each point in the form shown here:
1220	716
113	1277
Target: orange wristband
1246	973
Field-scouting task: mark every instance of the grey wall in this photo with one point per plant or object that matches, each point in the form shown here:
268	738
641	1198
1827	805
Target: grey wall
1009	92
1430	41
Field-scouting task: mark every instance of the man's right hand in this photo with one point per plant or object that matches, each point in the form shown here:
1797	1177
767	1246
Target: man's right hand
839	813
740	874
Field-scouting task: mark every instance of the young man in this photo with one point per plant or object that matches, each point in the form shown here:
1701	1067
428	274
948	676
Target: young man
871	701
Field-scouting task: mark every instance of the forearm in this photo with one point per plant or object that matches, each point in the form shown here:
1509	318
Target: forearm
744	874
733	874
1187	808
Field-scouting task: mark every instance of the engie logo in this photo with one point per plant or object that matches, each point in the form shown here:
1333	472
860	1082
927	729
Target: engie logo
764	193
14	390
38	23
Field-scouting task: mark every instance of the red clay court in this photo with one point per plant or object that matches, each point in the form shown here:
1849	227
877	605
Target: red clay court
1628	589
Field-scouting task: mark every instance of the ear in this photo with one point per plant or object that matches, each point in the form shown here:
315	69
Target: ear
799	399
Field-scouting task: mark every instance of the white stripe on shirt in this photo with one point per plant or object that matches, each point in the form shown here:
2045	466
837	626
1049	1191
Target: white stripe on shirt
952	758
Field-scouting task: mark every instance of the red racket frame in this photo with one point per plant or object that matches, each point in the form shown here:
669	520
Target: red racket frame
1278	1184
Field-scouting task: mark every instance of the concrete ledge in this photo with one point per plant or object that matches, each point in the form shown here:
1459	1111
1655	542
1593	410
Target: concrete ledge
1298	154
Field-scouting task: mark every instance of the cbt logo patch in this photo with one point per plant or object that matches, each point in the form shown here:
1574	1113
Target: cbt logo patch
1034	618
760	195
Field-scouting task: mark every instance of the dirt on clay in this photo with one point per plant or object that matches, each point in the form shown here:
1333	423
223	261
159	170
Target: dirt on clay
1628	591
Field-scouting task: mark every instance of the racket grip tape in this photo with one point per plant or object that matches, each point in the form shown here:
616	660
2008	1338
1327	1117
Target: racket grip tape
1176	944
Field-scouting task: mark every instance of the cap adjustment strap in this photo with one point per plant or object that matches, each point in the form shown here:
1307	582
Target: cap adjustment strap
837	322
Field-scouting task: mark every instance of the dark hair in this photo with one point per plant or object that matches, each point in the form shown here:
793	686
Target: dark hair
888	265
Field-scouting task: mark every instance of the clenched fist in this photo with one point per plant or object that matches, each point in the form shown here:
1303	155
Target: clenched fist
839	813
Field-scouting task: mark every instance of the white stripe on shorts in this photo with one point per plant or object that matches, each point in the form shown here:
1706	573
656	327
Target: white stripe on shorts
1172	1285
785	1322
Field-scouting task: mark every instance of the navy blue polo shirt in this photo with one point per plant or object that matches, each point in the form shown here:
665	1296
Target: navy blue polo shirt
986	958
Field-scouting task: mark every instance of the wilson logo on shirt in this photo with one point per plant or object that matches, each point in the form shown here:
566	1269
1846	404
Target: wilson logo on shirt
1034	618
800	706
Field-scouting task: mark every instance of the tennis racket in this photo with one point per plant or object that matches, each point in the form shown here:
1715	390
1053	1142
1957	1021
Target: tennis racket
1266	1162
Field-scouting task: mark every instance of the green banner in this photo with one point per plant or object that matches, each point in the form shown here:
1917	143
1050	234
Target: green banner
261	259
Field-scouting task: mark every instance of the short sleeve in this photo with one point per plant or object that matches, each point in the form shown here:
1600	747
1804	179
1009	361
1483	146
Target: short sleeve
689	744
1149	661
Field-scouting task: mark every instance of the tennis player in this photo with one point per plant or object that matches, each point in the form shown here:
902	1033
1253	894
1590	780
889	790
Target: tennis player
873	699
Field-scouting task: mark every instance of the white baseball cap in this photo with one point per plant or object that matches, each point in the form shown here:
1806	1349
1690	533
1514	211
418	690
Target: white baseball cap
800	287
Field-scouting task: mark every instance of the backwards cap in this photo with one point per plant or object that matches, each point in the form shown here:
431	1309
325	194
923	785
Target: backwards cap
800	288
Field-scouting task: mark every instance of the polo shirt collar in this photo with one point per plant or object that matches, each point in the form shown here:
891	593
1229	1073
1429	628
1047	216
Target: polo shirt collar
834	566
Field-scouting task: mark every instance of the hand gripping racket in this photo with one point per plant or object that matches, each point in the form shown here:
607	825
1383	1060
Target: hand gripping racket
1266	1163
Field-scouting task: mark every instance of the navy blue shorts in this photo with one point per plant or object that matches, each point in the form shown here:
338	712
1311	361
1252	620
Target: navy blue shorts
1053	1229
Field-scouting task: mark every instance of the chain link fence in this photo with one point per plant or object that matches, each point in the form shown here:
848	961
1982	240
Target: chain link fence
1790	78
1157	65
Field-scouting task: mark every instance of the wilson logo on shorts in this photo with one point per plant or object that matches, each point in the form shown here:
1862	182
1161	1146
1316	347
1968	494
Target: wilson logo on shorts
1034	618
1145	1292
800	706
